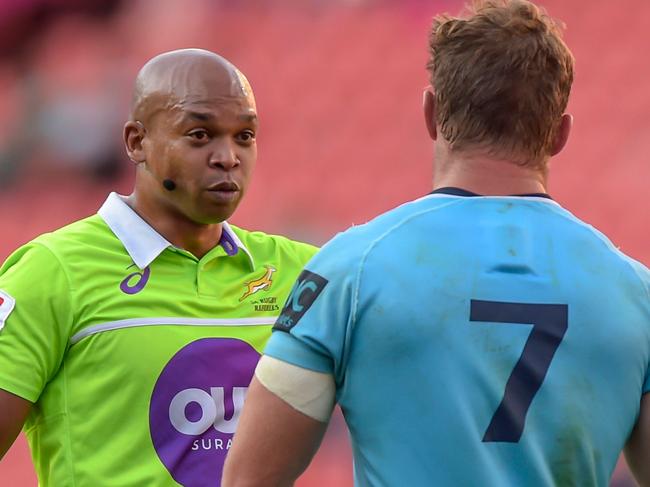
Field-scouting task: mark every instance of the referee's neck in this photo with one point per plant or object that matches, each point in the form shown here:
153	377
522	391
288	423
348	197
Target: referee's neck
177	228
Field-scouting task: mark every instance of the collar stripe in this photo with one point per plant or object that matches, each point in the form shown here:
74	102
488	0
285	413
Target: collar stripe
165	321
519	198
454	191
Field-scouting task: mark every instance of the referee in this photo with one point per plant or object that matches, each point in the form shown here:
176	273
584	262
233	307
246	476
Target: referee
128	339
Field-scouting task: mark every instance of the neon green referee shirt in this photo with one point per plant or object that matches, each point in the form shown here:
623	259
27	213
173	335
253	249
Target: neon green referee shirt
136	354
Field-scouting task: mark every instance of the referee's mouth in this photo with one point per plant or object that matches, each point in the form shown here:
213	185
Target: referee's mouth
224	190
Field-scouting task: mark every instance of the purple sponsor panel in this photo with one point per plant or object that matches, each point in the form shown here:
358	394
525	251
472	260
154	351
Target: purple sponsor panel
195	407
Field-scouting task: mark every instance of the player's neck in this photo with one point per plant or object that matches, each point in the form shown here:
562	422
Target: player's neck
176	228
486	175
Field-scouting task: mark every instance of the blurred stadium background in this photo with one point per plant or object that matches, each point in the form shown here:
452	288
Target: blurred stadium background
338	86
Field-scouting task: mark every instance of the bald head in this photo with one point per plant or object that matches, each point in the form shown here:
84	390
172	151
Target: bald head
176	79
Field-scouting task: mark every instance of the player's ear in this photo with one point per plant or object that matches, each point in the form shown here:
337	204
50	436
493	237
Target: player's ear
562	134
133	134
429	107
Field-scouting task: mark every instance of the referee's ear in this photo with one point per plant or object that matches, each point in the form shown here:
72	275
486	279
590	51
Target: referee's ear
429	107
134	133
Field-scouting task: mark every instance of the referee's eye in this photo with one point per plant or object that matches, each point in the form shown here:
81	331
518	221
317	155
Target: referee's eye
200	135
246	136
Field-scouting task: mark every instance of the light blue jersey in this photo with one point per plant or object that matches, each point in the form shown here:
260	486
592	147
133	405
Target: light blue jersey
476	341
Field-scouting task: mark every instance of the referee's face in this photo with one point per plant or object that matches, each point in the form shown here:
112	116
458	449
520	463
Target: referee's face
205	142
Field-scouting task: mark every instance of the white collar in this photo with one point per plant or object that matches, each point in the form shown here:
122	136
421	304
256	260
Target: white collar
140	240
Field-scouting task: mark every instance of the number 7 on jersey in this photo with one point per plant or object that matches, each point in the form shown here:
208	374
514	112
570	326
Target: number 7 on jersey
550	322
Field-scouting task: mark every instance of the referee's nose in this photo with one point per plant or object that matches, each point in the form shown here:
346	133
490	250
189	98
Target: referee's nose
224	155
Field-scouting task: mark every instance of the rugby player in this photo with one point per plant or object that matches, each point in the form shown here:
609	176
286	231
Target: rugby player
480	335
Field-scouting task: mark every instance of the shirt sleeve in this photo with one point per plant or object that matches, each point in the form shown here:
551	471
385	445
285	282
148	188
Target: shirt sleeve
35	330
314	328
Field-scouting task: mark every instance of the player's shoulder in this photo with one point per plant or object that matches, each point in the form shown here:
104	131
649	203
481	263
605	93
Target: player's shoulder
363	237
597	247
351	248
267	246
576	241
642	272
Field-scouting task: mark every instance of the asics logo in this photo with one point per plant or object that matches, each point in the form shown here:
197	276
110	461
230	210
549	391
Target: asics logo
136	281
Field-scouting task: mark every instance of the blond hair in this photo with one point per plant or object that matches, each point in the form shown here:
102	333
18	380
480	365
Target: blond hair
502	78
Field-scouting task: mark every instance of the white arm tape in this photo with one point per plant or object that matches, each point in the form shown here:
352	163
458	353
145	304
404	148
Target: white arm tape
310	392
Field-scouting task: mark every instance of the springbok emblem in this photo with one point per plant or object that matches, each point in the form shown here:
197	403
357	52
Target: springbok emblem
263	282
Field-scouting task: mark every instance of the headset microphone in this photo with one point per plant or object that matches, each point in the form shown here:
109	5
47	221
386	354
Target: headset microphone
169	185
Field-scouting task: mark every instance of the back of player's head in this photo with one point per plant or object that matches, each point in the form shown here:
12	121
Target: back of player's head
502	78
